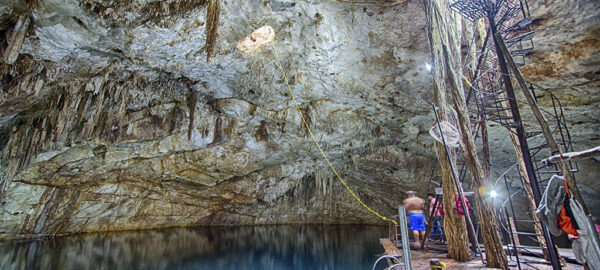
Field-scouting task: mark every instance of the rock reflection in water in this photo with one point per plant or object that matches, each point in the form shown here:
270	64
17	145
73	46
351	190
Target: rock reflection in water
257	247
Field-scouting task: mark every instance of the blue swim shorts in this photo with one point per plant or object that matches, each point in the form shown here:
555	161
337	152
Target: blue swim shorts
417	221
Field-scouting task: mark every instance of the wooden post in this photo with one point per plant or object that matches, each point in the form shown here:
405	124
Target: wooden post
541	121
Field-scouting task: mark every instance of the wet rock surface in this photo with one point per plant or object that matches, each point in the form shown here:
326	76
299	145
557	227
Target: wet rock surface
112	119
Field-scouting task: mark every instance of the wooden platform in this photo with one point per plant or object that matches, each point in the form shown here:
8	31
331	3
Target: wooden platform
420	259
390	248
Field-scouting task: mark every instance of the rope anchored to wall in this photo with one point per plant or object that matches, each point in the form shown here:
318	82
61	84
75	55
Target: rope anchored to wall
319	147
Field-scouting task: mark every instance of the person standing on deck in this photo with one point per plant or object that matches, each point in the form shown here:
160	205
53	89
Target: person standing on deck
414	205
436	231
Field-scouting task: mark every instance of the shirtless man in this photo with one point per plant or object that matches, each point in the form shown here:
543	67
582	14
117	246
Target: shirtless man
414	205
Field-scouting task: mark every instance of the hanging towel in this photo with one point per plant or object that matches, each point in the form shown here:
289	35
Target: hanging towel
585	249
551	204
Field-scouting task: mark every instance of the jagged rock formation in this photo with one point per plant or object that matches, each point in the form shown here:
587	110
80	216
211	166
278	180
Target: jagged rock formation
111	118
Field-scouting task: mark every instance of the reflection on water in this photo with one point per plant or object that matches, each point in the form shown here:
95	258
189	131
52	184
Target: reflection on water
256	247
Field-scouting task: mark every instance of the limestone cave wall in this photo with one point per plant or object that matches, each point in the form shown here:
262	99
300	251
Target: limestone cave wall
111	118
114	120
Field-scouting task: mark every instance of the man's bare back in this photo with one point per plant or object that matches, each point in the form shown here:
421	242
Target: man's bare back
414	204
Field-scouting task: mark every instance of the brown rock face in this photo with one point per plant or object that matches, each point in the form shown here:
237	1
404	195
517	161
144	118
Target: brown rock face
111	118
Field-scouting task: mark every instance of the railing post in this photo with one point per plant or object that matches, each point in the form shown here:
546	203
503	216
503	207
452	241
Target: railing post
405	240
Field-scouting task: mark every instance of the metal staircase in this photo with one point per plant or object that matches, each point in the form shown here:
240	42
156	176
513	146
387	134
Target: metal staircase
492	97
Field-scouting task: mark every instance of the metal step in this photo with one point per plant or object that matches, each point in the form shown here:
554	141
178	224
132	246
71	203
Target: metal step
539	147
526	233
525	220
520	24
500	118
508	12
490	95
495	101
521	52
471	10
512	41
495	110
532	134
524	247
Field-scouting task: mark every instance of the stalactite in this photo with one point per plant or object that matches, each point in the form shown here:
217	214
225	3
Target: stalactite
212	23
192	101
16	39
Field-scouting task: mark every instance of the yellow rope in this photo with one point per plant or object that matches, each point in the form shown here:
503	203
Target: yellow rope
317	144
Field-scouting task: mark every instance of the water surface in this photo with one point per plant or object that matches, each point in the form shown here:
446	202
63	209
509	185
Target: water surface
319	247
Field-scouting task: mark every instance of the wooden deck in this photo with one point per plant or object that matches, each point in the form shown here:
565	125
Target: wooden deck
390	248
420	259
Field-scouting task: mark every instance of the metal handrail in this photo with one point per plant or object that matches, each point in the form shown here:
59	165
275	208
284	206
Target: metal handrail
385	257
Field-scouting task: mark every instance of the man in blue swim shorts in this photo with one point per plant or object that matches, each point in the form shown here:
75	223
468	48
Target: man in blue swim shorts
414	206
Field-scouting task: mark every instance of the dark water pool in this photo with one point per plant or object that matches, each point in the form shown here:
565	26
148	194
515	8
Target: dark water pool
316	247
